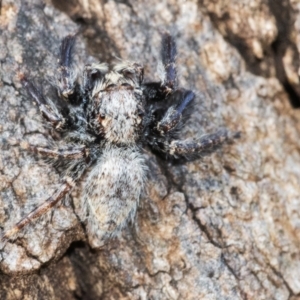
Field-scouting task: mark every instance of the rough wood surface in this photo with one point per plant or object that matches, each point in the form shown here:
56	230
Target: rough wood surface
223	227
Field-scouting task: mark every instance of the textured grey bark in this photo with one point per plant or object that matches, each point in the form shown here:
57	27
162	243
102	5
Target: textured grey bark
223	227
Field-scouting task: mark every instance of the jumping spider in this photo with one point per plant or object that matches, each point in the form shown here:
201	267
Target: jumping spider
106	117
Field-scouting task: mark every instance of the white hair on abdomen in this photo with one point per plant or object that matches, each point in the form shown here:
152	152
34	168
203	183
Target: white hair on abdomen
112	192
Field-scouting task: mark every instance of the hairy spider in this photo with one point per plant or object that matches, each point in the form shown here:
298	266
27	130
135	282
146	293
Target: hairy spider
106	117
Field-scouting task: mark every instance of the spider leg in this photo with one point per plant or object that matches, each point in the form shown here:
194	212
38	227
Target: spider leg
68	87
73	174
168	54
164	125
190	149
64	189
48	110
158	91
69	153
173	115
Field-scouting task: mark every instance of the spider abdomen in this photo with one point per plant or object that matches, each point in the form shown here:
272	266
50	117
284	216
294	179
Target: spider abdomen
112	192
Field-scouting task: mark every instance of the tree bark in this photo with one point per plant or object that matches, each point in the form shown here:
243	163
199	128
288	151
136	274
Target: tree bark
222	227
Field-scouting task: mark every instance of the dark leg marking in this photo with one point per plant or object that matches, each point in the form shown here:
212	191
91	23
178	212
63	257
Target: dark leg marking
158	91
168	53
206	144
66	51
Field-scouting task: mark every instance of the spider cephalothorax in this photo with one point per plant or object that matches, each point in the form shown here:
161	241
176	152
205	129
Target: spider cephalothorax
106	118
116	107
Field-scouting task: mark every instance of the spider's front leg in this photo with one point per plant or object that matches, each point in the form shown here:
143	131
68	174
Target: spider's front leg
168	54
158	91
47	108
164	128
181	99
68	89
67	84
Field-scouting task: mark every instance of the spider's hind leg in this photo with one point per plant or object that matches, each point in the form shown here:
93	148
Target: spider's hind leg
40	210
72	175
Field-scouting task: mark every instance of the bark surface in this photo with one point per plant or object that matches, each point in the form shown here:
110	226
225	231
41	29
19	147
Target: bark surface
223	227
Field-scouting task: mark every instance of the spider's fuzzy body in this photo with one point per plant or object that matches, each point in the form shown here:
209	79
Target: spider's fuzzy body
115	113
121	172
108	116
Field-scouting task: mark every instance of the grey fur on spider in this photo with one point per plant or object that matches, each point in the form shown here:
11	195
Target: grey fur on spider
108	116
